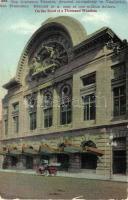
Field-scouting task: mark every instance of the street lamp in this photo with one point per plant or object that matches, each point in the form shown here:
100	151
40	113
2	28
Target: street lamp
112	144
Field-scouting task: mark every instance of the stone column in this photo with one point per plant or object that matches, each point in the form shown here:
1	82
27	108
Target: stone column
104	163
74	162
36	162
9	162
22	162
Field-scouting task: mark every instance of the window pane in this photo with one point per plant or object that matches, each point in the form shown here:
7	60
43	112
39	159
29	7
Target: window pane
116	92
50	120
122	105
66	105
86	99
63	117
116	107
86	112
46	122
92	111
122	90
69	117
65	113
16	124
89	107
119	101
46	113
119	71
48	117
89	79
92	98
48	100
32	121
16	107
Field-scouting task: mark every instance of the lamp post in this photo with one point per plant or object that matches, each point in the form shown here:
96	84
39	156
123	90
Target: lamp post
112	144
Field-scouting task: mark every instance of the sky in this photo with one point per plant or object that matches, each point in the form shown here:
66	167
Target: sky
17	26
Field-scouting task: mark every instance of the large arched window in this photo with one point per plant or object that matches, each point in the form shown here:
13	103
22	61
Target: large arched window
66	105
48	109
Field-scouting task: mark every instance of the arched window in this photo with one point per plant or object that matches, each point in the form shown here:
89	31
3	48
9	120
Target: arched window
66	105
32	109
48	109
88	160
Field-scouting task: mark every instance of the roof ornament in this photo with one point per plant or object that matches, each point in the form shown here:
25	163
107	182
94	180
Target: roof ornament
115	46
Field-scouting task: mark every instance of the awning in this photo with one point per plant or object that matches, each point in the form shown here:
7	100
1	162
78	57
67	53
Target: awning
2	152
47	150
15	152
72	149
29	150
93	150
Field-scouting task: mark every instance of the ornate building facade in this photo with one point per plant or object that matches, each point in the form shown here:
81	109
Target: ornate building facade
68	102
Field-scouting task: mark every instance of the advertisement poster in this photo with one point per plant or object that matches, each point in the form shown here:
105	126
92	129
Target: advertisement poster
63	86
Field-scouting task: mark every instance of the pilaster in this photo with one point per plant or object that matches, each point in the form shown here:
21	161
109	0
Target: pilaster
103	93
39	110
77	109
56	108
104	163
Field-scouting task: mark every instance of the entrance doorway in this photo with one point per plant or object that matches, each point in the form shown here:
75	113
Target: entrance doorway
29	162
63	159
14	161
119	162
119	156
88	161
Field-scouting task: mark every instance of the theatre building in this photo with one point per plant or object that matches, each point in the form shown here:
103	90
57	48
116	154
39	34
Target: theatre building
68	102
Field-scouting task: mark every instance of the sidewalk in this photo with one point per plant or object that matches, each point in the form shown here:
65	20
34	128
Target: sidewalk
121	178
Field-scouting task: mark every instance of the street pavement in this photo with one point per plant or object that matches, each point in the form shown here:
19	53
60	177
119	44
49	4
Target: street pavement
32	186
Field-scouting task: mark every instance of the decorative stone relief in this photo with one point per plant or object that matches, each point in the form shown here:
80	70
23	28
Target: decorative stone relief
53	53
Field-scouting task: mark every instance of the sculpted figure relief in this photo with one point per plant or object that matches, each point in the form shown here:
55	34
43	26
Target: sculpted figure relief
47	58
